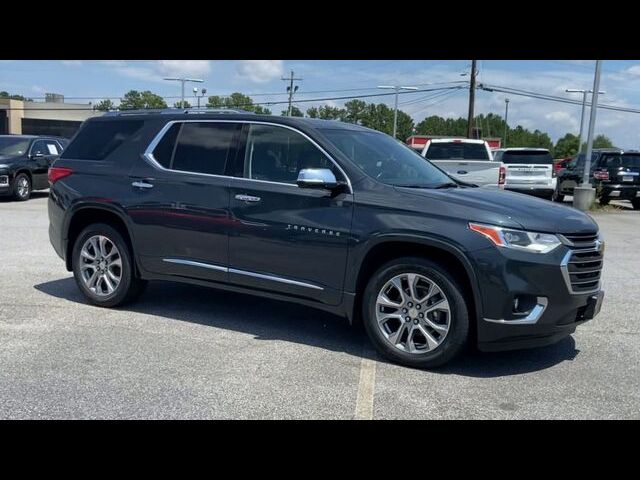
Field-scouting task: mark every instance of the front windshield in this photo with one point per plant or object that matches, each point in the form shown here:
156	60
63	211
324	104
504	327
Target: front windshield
13	146
386	159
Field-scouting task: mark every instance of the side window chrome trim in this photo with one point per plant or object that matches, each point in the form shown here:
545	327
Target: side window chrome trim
148	153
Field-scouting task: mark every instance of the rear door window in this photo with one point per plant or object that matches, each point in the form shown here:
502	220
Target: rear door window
457	151
615	161
97	140
528	157
204	147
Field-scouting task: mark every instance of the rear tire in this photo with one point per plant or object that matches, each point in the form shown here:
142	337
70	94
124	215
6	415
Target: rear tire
636	203
103	267
21	187
556	196
427	325
604	201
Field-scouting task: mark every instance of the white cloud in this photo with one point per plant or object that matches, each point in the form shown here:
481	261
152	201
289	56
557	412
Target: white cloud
260	71
71	63
180	68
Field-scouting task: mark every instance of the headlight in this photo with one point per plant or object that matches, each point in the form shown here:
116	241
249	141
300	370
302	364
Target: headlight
518	239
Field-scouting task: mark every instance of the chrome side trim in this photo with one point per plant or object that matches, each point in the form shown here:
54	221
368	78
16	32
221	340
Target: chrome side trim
533	316
210	266
274	278
148	153
192	263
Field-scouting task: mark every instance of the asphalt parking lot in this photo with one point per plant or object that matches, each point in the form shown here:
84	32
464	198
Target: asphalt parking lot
190	352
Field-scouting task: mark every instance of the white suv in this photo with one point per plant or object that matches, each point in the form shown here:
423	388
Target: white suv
528	170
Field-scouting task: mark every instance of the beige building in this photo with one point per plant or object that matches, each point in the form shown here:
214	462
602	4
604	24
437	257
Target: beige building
51	117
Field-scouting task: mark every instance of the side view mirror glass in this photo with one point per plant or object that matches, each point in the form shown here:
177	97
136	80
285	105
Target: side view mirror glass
317	178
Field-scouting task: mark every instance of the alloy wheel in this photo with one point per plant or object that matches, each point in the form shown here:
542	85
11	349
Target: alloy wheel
22	186
413	313
100	265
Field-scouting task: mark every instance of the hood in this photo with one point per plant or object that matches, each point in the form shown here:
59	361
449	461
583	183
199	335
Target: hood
509	209
6	159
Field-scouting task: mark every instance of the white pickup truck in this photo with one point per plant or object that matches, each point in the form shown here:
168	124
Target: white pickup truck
467	160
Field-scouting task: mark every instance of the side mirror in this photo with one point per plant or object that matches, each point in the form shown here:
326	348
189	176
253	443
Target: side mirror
317	178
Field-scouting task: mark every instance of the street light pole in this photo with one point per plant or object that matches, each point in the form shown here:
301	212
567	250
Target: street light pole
584	195
584	107
472	99
397	89
182	81
506	116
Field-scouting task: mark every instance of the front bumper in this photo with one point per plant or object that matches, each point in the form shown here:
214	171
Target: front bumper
554	312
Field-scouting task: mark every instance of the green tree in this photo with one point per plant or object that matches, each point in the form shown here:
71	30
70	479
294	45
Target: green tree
179	104
295	112
566	146
326	112
600	141
237	100
104	105
4	94
355	111
135	100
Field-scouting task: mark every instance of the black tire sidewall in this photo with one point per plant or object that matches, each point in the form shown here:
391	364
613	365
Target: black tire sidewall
127	283
458	333
16	196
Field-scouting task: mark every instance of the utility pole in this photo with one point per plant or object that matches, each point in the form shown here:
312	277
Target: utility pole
506	124
584	195
472	98
397	89
584	107
291	90
182	82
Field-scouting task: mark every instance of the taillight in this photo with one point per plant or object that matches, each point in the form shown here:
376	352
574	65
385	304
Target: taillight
554	173
56	173
501	177
601	175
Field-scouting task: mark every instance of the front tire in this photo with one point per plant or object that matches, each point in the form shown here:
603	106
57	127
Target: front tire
604	201
415	314
103	267
636	203
21	187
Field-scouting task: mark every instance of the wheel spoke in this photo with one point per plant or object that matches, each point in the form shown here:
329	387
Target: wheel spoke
93	279
85	254
107	282
437	327
412	278
431	342
410	345
387	302
385	317
397	283
395	337
441	304
114	278
103	246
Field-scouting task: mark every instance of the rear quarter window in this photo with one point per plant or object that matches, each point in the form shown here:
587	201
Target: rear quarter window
97	140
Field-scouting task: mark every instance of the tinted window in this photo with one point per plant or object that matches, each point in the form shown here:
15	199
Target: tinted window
457	151
13	146
204	147
615	161
163	153
528	156
96	140
277	154
386	159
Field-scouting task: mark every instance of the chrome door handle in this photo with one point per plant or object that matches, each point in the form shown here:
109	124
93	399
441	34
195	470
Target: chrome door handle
142	185
247	198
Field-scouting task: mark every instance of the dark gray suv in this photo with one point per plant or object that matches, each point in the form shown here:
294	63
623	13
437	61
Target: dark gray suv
326	214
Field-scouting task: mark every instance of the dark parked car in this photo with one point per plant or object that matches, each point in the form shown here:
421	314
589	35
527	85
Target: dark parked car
24	162
614	173
326	214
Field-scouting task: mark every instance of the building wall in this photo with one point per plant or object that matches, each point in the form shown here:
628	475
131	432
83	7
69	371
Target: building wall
41	112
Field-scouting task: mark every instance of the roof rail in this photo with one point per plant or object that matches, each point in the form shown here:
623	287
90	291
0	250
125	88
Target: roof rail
164	111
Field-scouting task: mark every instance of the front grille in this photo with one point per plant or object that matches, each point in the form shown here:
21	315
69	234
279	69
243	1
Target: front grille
582	266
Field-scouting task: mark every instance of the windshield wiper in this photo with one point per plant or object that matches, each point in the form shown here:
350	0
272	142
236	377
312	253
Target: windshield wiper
447	185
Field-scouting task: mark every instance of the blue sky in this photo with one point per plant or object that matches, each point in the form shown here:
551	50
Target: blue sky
262	78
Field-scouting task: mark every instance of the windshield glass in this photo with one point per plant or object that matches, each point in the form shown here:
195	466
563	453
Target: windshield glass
457	151
615	161
529	157
13	146
386	159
